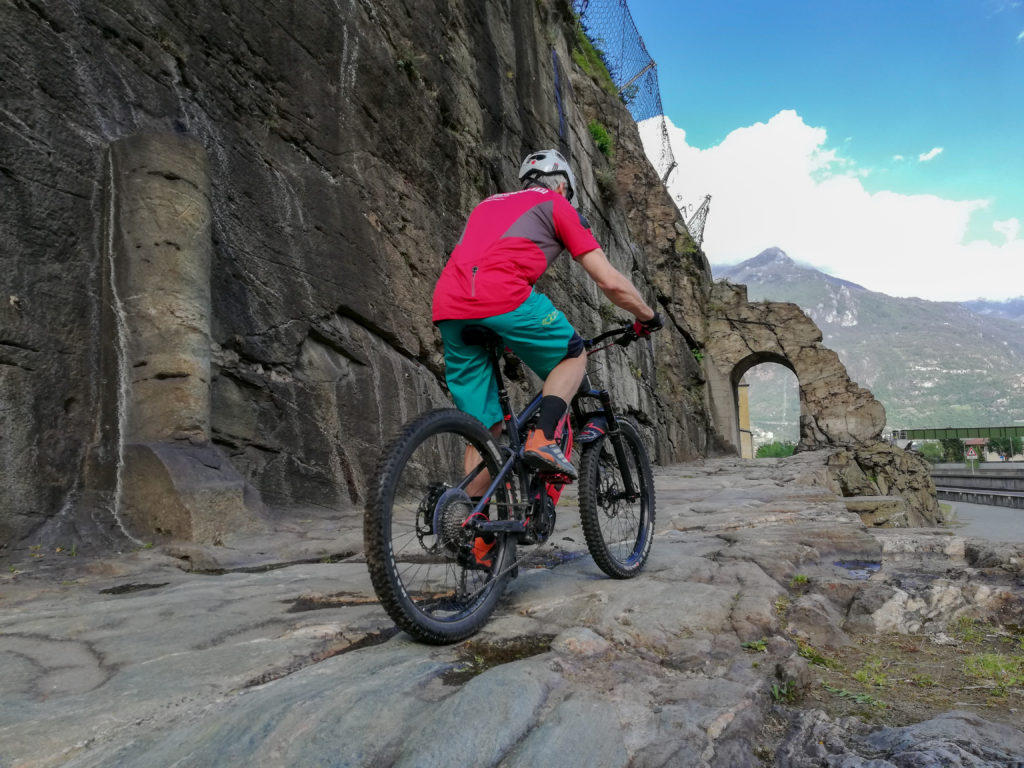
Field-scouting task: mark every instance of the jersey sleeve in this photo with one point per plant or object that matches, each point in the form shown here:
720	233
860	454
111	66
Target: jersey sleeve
572	229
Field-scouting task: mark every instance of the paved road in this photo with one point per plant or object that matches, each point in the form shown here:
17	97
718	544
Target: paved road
987	522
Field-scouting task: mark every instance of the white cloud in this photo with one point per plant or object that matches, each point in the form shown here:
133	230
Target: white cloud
898	158
778	184
1020	36
1008	228
931	154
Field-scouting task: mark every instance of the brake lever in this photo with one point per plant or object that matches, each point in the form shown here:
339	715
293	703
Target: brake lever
627	338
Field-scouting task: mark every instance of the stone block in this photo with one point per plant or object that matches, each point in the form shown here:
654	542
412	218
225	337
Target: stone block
184	491
814	617
880	511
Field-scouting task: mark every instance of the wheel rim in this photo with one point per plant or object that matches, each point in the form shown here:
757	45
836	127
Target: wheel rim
434	569
623	521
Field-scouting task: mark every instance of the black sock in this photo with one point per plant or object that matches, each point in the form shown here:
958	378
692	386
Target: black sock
552	408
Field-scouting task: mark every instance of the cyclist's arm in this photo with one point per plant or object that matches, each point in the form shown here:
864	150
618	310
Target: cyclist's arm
616	286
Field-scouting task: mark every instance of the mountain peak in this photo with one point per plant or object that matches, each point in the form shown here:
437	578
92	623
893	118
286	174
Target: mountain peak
770	256
772	265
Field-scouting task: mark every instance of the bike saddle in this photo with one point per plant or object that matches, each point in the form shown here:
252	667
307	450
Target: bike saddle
481	336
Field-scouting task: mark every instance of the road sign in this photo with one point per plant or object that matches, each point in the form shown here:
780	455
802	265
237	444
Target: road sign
971	454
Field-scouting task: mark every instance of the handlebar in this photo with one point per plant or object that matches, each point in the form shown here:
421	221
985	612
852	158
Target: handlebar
626	335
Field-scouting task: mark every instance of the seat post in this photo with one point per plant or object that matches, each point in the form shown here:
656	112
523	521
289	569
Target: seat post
503	398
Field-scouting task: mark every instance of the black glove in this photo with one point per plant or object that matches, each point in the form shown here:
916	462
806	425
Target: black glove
647	327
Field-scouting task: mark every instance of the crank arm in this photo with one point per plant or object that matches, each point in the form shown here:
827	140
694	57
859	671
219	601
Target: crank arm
496	526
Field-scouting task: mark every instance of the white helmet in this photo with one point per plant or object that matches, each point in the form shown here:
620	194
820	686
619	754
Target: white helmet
549	162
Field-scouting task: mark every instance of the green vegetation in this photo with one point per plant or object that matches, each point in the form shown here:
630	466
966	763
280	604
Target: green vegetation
757	646
999	671
982	668
782	605
607	184
602	138
799	580
922	680
591	59
872	672
969	631
407	64
786	692
931	451
813	655
1008	446
608	312
775	450
859	698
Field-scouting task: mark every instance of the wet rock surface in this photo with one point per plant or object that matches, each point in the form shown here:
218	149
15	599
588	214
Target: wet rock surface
274	651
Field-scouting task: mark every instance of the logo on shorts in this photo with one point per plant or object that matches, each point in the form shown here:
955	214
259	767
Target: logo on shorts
550	318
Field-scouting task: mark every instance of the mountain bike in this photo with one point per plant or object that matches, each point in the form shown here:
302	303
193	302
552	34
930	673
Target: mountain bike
420	526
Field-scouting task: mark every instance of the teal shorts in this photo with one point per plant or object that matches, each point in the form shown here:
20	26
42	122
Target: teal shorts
537	332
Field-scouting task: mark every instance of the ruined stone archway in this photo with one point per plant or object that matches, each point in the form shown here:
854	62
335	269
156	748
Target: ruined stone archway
834	411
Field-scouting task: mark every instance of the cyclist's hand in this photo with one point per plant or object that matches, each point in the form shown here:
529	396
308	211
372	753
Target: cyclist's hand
647	327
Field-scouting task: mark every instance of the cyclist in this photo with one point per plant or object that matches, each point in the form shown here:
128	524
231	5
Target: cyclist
509	241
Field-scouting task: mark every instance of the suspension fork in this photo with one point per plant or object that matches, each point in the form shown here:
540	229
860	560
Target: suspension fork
615	435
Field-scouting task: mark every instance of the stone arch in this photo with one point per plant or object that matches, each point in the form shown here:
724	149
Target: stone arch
755	359
834	411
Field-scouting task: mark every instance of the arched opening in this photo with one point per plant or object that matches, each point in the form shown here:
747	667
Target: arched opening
768	405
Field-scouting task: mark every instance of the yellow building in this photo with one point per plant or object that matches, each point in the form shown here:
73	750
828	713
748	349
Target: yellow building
743	404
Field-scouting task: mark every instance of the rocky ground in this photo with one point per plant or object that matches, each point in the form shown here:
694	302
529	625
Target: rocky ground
770	628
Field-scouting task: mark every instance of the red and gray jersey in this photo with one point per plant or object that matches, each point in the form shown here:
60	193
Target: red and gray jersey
509	242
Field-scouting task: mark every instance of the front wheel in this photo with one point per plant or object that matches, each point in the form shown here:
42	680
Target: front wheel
419	554
619	526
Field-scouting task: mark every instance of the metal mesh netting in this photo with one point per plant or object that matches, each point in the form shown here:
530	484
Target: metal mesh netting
610	27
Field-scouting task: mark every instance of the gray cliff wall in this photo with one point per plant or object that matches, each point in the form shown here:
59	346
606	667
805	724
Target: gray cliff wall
345	142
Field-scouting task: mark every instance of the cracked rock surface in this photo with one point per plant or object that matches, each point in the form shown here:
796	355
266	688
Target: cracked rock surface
273	651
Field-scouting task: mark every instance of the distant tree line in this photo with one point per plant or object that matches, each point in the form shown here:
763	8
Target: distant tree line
951	450
775	450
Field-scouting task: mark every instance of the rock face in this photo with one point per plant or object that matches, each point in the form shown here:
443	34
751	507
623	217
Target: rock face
345	145
741	334
879	469
332	156
834	411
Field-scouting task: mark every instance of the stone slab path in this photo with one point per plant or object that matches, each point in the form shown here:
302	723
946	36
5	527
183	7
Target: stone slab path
273	651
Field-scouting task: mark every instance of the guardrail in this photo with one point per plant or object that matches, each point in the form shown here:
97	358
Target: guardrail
996	487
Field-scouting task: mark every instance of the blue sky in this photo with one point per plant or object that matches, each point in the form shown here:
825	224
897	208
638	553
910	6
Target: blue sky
910	99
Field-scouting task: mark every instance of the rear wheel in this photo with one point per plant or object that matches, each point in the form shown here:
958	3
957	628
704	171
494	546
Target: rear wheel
619	527
419	555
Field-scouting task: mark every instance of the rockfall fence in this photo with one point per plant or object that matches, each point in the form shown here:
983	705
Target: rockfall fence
609	26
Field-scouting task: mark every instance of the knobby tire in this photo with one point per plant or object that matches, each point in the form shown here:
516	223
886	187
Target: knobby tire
619	531
421	578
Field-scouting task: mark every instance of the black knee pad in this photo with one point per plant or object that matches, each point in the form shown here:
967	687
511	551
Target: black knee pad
575	346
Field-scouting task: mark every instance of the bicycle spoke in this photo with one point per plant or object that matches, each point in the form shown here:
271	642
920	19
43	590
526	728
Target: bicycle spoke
419	552
618	526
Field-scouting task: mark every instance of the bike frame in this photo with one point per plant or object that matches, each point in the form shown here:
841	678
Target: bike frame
515	426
